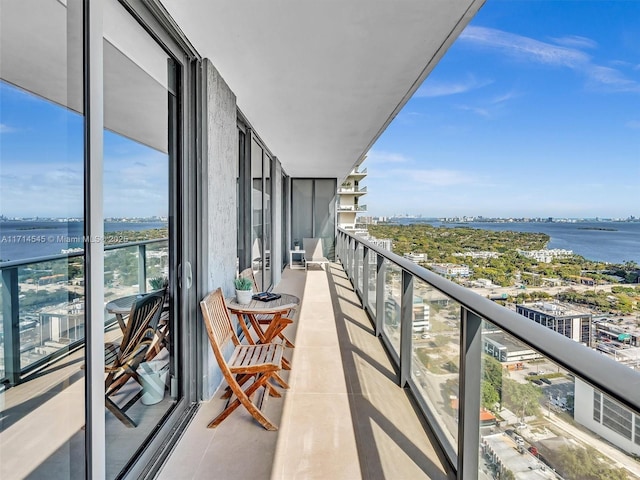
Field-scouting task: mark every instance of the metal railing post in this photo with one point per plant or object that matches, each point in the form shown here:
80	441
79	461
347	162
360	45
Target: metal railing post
469	394
356	267
406	327
142	268
365	277
11	324
350	258
381	271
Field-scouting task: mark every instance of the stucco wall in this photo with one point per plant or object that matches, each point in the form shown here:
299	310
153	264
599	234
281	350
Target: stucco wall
221	165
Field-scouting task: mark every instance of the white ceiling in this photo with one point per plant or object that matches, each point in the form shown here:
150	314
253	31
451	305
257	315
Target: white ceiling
319	80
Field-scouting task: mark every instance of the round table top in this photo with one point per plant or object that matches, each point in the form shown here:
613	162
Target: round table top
122	305
285	302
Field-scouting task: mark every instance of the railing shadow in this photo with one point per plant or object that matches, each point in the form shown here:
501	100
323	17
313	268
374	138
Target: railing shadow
366	415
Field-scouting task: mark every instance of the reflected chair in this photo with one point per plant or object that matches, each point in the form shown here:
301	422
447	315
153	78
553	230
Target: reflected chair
122	360
258	363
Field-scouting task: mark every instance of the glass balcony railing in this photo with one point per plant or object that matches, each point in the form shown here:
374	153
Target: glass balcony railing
352	208
353	190
505	396
42	302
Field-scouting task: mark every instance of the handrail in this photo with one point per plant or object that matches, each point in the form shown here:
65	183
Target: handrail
615	380
60	256
13	370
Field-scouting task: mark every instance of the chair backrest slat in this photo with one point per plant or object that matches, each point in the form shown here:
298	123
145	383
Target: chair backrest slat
218	324
144	316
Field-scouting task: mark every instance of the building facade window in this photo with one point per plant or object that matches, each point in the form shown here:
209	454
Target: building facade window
617	418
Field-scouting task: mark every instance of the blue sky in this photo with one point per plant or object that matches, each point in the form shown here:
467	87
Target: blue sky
534	111
41	173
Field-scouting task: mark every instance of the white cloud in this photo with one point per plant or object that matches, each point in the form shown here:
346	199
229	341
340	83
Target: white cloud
441	89
633	124
483	112
575	41
524	47
6	128
611	79
434	177
567	55
380	158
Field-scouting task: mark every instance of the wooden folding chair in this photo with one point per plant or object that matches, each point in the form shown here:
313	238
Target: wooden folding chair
122	360
264	319
258	362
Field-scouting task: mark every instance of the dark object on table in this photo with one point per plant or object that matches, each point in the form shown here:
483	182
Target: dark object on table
266	296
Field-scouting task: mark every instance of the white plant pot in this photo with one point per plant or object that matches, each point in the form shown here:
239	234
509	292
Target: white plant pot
244	296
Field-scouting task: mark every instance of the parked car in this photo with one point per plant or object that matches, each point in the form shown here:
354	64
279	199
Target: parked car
537	382
545	380
533	451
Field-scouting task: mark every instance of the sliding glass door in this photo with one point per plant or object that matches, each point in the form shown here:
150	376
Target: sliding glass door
141	118
42	330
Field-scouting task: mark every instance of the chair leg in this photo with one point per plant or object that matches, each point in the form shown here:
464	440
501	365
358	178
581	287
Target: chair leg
119	414
243	397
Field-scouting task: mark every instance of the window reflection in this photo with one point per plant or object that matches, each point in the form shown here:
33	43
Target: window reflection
41	214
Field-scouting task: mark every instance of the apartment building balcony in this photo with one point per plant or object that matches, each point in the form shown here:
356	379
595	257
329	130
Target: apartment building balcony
370	399
359	174
352	190
344	417
352	208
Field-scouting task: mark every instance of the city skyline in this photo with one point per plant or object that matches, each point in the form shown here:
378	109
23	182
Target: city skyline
533	112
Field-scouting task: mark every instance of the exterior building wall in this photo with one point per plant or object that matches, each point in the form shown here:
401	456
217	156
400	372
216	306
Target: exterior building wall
348	198
575	326
220	199
584	411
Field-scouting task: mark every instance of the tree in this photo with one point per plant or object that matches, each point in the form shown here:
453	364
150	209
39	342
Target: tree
490	396
578	463
522	399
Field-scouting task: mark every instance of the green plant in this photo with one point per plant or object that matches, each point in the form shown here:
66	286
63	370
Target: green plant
158	282
242	283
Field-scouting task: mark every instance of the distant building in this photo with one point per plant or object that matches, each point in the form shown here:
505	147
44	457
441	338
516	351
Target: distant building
545	255
505	348
450	269
349	199
416	257
421	313
606	417
561	318
62	324
477	254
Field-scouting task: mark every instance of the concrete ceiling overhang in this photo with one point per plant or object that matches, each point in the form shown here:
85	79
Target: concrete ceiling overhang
321	80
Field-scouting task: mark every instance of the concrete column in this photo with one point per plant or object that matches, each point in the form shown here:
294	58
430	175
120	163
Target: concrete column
220	165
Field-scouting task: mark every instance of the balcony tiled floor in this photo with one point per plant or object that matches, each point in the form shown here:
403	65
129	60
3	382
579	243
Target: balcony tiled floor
344	416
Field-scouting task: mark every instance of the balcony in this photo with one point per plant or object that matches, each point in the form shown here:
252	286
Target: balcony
344	417
371	397
352	190
352	208
376	399
42	360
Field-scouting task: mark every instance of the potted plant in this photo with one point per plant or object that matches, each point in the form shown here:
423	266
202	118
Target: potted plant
244	290
158	282
296	244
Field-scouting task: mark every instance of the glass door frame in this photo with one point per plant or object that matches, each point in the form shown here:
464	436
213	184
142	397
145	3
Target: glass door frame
183	211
